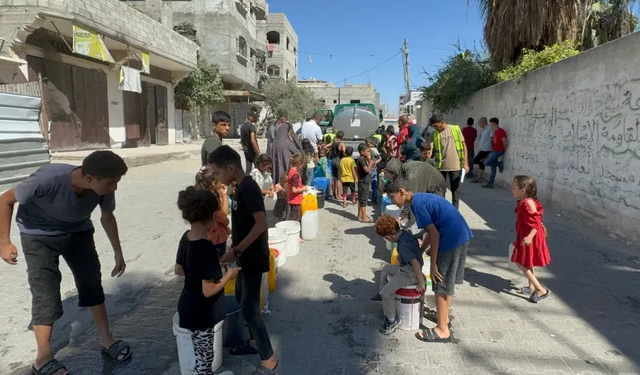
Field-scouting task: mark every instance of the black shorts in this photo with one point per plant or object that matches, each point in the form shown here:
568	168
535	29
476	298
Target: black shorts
335	168
480	158
451	266
42	253
348	186
363	193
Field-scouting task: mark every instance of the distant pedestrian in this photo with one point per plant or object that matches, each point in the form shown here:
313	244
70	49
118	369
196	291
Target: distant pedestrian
530	248
483	147
426	154
54	218
262	175
311	130
348	176
201	305
221	121
285	145
411	147
470	134
450	152
250	248
403	135
377	158
249	141
311	158
336	154
448	235
219	232
296	187
498	148
391	145
364	167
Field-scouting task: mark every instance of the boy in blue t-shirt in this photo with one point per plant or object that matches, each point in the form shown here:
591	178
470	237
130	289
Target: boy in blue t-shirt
394	277
448	234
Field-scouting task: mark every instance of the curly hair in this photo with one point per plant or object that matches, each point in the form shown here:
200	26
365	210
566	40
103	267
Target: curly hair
386	225
197	205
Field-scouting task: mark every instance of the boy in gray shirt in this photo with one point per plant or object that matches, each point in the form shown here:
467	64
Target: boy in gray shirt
54	219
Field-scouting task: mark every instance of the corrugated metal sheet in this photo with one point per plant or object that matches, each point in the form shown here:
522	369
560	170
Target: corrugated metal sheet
23	149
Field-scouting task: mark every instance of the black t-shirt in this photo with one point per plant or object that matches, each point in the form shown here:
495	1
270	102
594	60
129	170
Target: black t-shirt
363	175
245	137
199	260
247	201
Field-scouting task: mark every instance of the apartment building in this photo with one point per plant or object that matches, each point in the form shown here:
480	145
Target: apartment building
108	71
330	95
282	46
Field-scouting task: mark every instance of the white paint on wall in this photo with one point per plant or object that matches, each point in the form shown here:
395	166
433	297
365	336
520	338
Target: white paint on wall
575	127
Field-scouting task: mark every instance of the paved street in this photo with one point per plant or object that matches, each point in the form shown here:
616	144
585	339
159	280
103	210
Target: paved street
322	321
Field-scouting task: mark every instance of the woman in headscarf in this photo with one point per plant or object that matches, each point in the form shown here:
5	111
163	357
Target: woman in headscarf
285	144
271	134
411	148
422	177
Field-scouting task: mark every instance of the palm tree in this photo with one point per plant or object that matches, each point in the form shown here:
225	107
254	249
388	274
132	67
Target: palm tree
511	25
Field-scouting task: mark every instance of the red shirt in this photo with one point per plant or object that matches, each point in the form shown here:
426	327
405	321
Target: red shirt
294	181
498	136
469	133
403	134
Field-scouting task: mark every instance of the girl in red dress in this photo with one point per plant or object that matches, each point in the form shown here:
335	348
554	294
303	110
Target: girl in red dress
531	244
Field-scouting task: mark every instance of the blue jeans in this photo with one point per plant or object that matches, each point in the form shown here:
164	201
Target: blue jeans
471	155
310	177
492	161
374	186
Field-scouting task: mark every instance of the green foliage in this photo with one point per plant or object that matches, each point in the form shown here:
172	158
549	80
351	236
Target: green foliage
461	75
202	87
532	60
187	30
286	98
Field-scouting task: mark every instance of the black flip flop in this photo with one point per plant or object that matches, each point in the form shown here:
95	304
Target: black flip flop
49	368
262	370
432	317
535	298
244	349
430	335
118	351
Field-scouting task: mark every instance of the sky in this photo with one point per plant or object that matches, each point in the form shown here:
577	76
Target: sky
339	39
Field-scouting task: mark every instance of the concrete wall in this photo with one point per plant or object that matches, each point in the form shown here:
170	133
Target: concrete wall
283	57
575	127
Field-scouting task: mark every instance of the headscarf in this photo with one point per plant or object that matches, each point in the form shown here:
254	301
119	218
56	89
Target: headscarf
411	148
285	145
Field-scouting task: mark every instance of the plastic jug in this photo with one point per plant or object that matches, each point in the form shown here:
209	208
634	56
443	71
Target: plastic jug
309	222
272	270
386	201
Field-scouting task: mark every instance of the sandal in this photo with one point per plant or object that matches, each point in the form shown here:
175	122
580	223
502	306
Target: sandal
244	349
535	298
430	335
431	316
262	370
50	368
525	290
118	351
367	221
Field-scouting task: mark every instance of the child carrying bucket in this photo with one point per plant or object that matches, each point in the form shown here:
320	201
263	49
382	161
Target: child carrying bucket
219	231
407	272
201	305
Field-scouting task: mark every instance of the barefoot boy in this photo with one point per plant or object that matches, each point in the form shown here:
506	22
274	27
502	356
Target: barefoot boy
448	235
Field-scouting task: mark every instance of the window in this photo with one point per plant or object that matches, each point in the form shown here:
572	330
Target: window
335	101
241	46
273	71
252	57
354	101
273	37
288	43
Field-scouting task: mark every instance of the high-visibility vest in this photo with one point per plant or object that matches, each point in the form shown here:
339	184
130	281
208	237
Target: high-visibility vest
457	138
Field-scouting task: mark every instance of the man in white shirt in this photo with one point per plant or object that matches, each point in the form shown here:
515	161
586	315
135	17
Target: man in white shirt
483	145
311	130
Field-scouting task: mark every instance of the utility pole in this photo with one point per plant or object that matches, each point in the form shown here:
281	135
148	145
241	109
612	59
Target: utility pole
407	77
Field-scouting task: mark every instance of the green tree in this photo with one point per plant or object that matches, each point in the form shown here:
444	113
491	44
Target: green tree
532	60
457	79
512	26
202	87
286	98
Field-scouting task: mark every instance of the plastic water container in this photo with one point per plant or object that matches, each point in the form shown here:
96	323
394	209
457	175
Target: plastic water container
278	240
394	257
309	222
186	354
408	302
426	270
322	184
329	169
264	294
273	269
277	258
292	228
386	201
392	210
233	330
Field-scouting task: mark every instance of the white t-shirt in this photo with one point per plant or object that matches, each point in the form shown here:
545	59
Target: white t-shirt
312	132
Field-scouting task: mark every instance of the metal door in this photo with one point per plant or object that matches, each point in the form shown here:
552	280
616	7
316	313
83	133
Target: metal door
134	124
162	125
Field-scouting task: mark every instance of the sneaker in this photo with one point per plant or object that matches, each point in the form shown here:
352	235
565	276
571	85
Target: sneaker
377	298
389	327
488	186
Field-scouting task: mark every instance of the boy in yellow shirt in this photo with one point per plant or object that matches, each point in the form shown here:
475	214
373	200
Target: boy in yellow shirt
348	176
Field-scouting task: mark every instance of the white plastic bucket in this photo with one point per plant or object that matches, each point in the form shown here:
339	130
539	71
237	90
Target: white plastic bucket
278	240
309	223
293	236
393	210
408	302
390	245
186	354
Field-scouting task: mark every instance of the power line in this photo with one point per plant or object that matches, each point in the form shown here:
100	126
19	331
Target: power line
368	70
